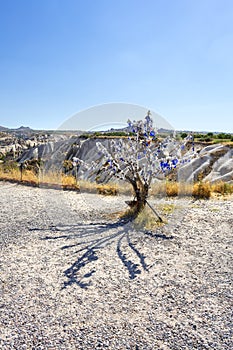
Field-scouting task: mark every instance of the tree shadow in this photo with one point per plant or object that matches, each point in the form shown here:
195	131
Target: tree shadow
88	238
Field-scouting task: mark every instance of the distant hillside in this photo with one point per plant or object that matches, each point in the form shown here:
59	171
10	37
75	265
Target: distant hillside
2	128
27	130
22	129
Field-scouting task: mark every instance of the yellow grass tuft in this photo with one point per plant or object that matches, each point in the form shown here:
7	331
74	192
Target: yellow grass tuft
167	208
107	189
222	188
30	176
147	220
69	182
10	175
172	189
202	190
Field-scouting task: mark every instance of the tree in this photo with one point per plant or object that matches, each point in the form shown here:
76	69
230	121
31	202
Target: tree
210	134
184	135
138	159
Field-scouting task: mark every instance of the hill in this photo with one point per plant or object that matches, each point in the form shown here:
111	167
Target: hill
2	128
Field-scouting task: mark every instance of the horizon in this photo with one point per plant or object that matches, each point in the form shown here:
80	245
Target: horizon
59	59
103	130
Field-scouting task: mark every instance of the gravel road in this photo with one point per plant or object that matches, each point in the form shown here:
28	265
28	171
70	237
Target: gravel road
71	278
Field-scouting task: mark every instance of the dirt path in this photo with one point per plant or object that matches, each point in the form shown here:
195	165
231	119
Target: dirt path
72	280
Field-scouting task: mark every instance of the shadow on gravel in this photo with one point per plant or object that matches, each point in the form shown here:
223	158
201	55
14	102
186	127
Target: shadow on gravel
89	238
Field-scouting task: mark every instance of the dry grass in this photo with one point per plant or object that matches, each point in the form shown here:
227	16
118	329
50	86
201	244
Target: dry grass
202	190
53	179
87	186
10	175
222	188
171	189
125	188
69	182
58	179
167	208
147	220
158	189
108	189
185	189
30	177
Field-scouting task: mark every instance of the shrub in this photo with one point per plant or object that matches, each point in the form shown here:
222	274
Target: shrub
69	182
184	135
202	190
107	189
206	139
10	174
2	156
172	189
222	188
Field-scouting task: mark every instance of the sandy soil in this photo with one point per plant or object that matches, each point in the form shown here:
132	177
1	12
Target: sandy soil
71	278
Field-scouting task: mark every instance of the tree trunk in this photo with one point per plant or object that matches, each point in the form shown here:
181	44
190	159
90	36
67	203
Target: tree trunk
141	194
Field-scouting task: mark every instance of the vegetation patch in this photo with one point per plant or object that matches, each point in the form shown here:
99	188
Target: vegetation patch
222	188
146	219
171	189
167	208
202	190
108	189
211	137
10	171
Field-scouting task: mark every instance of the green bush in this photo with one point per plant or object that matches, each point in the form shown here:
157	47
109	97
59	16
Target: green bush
206	139
183	135
224	136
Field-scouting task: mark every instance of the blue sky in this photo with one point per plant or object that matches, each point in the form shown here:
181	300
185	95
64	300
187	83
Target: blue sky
175	57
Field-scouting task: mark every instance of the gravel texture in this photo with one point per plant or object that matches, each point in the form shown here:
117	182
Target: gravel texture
71	278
